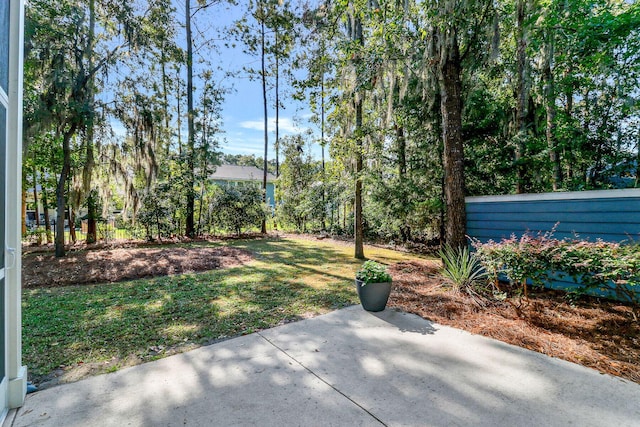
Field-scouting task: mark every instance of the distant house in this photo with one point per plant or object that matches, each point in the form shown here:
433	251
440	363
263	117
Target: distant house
245	175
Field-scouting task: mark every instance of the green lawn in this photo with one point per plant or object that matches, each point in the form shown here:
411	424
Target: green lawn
288	280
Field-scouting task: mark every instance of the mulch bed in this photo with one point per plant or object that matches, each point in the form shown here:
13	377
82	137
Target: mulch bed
597	333
43	269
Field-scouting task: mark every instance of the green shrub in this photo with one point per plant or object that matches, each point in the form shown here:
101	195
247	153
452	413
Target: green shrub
238	207
594	265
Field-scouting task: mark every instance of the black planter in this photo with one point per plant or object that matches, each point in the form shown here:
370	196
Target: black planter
373	296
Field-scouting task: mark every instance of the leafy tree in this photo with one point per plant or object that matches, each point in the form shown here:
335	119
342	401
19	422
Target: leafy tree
65	53
300	188
247	160
236	208
155	212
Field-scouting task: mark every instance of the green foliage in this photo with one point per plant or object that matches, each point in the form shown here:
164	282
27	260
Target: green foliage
373	272
461	267
248	160
156	213
582	59
300	187
235	208
609	267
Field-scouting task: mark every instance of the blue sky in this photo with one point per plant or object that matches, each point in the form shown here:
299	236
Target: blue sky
242	111
243	119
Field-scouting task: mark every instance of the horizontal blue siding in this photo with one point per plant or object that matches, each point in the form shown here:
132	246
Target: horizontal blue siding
569	206
613	219
612	216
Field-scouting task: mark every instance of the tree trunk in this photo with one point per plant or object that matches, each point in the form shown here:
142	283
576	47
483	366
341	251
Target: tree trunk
358	101
344	216
265	112
568	146
92	213
35	202
45	208
165	98
178	112
60	189
71	218
405	230
402	152
24	211
89	162
550	107
324	174
358	232
277	81
521	96
92	207
453	159
204	169
585	131
189	220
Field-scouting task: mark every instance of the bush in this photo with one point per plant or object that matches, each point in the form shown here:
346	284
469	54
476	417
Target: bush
155	214
238	207
611	267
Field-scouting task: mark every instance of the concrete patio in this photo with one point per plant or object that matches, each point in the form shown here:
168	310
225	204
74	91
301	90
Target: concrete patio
347	368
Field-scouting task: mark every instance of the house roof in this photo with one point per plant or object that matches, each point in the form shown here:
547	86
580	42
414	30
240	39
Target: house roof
240	173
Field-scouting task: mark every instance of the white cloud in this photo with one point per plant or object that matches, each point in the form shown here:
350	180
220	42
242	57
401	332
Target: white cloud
286	125
252	124
241	145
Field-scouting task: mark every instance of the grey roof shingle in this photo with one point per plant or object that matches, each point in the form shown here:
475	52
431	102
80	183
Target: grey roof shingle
240	173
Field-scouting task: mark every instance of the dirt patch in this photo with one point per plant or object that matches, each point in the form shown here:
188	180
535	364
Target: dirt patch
43	269
82	370
596	333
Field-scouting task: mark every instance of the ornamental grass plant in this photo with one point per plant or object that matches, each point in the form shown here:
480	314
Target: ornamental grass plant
464	271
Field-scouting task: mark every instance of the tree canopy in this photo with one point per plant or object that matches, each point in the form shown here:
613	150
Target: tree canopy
417	105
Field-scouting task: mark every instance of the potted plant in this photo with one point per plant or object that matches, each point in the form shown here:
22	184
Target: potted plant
373	283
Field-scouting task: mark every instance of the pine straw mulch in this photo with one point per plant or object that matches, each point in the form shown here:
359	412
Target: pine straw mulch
80	267
592	332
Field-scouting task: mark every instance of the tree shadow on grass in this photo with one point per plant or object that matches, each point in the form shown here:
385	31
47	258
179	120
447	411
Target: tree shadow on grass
302	256
153	318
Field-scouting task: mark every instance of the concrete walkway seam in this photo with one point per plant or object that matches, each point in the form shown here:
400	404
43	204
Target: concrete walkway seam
323	380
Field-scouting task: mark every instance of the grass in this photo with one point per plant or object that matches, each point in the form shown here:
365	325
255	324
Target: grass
289	279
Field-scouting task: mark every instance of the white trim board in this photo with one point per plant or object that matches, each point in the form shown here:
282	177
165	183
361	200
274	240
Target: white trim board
566	195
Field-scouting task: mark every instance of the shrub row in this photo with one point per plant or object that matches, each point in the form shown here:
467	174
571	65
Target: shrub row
607	266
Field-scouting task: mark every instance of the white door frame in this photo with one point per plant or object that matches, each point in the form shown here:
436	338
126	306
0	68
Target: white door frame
15	372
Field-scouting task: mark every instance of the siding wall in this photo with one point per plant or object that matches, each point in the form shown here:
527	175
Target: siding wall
610	215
